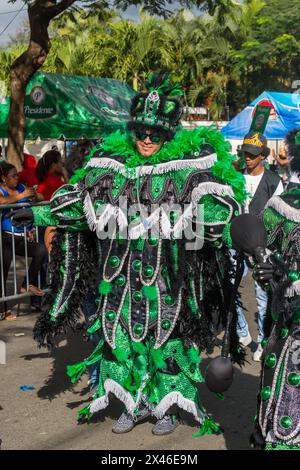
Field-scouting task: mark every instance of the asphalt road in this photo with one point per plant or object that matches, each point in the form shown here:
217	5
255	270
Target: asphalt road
45	417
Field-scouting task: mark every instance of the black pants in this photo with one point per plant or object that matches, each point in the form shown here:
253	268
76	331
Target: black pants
35	250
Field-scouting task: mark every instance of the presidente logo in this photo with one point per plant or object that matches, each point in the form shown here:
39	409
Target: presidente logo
273	114
38	95
39	104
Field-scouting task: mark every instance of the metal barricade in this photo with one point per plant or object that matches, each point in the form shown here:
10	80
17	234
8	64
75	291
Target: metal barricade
16	295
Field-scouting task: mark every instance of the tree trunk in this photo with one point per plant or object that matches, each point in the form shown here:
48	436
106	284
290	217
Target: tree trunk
40	14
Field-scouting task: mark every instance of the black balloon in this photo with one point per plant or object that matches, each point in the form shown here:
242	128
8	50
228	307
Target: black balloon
219	374
248	232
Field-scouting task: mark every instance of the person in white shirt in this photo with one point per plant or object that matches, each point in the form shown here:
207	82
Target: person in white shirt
261	185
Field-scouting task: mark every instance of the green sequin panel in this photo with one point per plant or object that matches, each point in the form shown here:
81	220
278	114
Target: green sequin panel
226	236
214	210
118	184
180	383
281	446
157	185
43	217
180	177
271	219
96	173
176	349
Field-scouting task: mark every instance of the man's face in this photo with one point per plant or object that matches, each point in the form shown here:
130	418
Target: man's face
253	161
148	142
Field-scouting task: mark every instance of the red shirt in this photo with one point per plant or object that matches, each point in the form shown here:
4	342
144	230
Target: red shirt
27	176
49	186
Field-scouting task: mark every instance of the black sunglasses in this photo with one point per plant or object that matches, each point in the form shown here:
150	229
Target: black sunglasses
154	138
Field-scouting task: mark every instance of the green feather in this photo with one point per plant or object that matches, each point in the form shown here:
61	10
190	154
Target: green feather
84	412
193	355
208	427
139	348
157	358
185	142
150	292
95	326
76	371
120	354
132	382
105	287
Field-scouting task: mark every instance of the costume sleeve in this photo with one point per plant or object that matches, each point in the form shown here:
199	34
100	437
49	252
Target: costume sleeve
65	210
215	207
72	268
213	271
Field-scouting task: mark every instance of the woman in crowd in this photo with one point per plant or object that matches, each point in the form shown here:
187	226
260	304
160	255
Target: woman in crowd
51	174
11	192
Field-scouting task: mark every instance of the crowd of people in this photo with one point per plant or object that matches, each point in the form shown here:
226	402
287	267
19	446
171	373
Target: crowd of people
151	304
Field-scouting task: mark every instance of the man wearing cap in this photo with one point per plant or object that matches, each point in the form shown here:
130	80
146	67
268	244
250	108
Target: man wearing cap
261	185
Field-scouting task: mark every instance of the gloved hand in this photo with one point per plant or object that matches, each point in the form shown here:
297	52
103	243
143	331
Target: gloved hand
263	272
22	217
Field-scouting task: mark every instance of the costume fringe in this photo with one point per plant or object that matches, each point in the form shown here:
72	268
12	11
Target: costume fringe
176	398
108	163
294	289
210	187
203	163
111	386
139	230
291	213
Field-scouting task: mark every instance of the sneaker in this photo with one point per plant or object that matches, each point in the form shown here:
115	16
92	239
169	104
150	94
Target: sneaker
126	422
166	425
245	340
258	353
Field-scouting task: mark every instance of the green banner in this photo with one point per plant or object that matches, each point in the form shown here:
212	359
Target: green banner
72	106
260	118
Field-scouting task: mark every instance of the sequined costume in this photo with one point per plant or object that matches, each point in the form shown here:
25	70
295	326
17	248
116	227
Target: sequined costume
278	416
160	304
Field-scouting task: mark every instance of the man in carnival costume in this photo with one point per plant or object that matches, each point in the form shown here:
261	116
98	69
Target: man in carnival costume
277	425
160	303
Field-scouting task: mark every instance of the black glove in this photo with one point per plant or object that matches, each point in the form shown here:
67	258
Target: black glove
263	272
22	217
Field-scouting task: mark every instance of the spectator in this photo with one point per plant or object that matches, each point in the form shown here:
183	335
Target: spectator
28	174
11	191
282	166
261	185
51	174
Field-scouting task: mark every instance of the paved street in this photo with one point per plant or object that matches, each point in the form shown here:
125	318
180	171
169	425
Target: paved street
45	418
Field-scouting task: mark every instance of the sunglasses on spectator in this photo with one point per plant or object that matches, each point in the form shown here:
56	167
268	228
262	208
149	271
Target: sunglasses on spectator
154	138
250	155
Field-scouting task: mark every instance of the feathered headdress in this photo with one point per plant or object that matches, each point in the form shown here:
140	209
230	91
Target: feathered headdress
158	106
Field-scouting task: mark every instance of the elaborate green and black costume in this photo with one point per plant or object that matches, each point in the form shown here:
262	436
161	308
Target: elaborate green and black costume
278	414
160	304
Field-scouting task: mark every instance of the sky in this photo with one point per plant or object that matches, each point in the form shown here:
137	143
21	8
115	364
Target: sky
8	12
6	18
5	7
